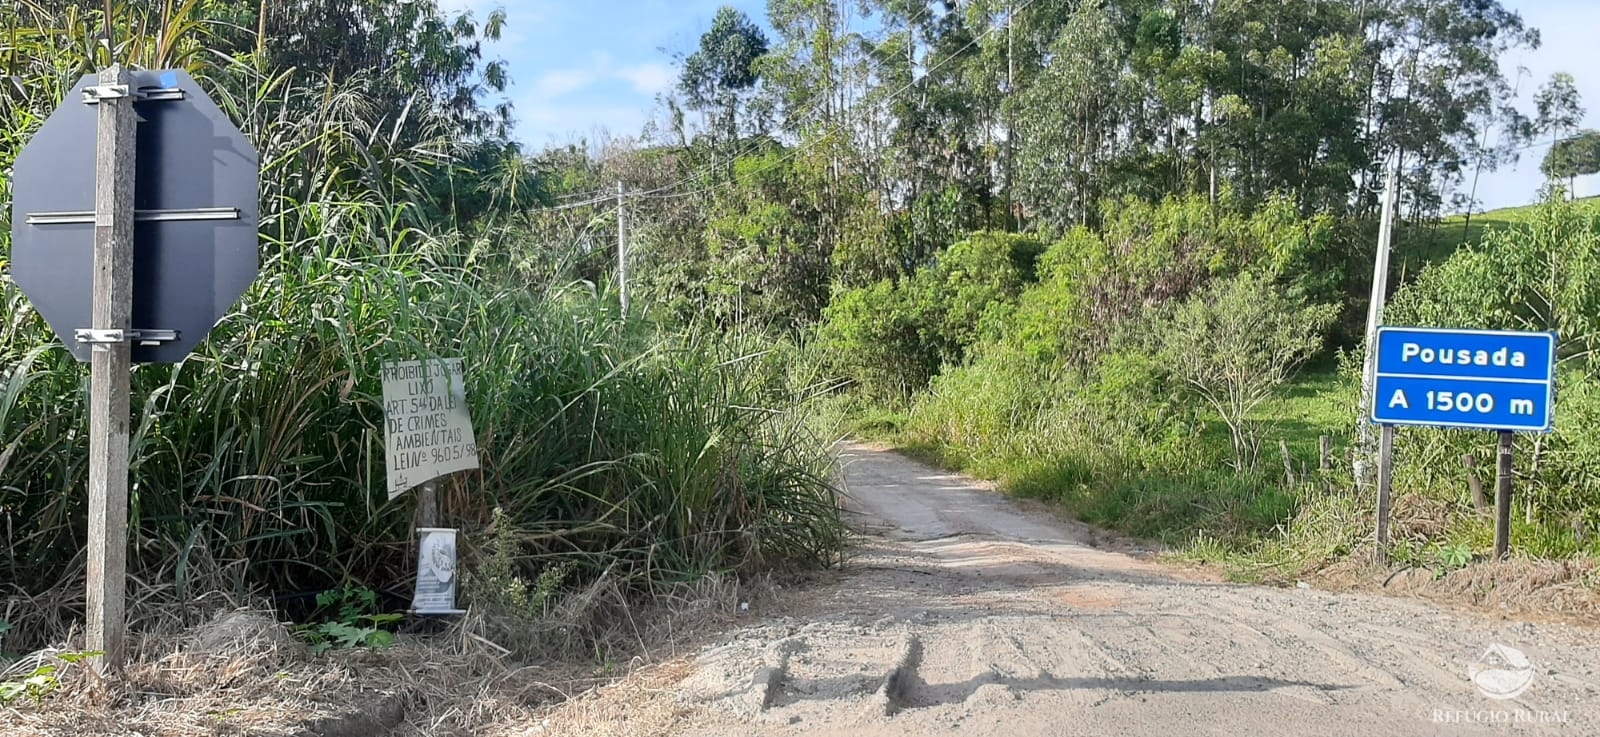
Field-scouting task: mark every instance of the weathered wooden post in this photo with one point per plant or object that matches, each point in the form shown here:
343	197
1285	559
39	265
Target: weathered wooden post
1502	498
1385	488
1474	484
109	366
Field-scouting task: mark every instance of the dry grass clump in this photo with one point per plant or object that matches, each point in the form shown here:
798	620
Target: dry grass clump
604	622
242	672
1529	588
1420	517
642	705
167	600
1554	588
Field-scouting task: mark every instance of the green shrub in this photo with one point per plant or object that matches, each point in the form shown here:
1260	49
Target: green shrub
350	618
1234	344
1095	287
1097	387
1544	276
893	337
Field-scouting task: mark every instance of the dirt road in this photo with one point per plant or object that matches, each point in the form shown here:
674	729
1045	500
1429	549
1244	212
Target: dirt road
964	613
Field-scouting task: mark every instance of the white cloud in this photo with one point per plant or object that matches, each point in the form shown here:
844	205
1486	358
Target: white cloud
540	124
563	81
649	78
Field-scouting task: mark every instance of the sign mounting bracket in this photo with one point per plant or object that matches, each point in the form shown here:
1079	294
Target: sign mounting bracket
99	338
80	217
93	94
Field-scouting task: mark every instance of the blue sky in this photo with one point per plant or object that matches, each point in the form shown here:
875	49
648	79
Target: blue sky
581	70
584	70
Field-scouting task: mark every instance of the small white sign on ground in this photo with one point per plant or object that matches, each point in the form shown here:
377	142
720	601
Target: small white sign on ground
436	572
428	431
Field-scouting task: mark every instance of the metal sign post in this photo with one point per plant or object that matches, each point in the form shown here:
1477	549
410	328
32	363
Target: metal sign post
1470	379
109	366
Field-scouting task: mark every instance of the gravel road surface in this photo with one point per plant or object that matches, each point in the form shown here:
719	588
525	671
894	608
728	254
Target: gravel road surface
967	613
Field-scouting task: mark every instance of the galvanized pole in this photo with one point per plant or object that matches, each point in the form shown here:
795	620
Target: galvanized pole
110	365
622	247
1380	289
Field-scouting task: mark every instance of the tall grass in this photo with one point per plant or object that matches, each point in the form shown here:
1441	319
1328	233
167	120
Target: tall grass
653	454
1117	447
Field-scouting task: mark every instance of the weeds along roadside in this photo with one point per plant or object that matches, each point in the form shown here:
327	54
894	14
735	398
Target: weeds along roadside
610	446
1105	424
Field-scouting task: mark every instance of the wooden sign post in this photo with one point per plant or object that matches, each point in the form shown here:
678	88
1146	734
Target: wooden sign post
110	365
1502	497
1385	488
198	214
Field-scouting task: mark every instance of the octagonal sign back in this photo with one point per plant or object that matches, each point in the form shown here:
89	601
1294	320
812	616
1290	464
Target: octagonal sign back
196	209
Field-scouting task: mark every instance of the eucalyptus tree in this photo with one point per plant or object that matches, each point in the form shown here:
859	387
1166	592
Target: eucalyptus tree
1558	107
1435	79
1071	120
722	72
1572	157
942	117
410	48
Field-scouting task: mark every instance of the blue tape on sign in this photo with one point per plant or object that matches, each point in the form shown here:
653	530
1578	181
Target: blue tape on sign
169	80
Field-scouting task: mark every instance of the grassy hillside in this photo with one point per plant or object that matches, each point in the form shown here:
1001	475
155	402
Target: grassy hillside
1434	243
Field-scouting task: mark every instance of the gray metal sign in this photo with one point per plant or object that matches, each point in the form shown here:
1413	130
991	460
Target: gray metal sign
195	241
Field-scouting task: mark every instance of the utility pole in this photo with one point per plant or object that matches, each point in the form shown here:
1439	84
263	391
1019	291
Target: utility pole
110	365
1380	290
622	246
1011	128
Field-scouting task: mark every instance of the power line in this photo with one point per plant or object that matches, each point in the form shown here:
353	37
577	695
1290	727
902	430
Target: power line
1541	144
595	199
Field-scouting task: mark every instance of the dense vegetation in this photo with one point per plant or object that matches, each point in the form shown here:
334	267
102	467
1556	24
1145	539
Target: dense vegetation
1114	253
647	453
1118	253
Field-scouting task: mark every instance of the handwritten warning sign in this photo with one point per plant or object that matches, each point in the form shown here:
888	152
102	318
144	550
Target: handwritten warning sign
428	430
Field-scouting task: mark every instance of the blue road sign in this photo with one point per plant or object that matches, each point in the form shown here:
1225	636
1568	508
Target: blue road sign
1476	379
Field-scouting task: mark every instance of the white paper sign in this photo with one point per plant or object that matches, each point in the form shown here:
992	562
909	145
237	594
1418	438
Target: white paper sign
428	430
436	572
